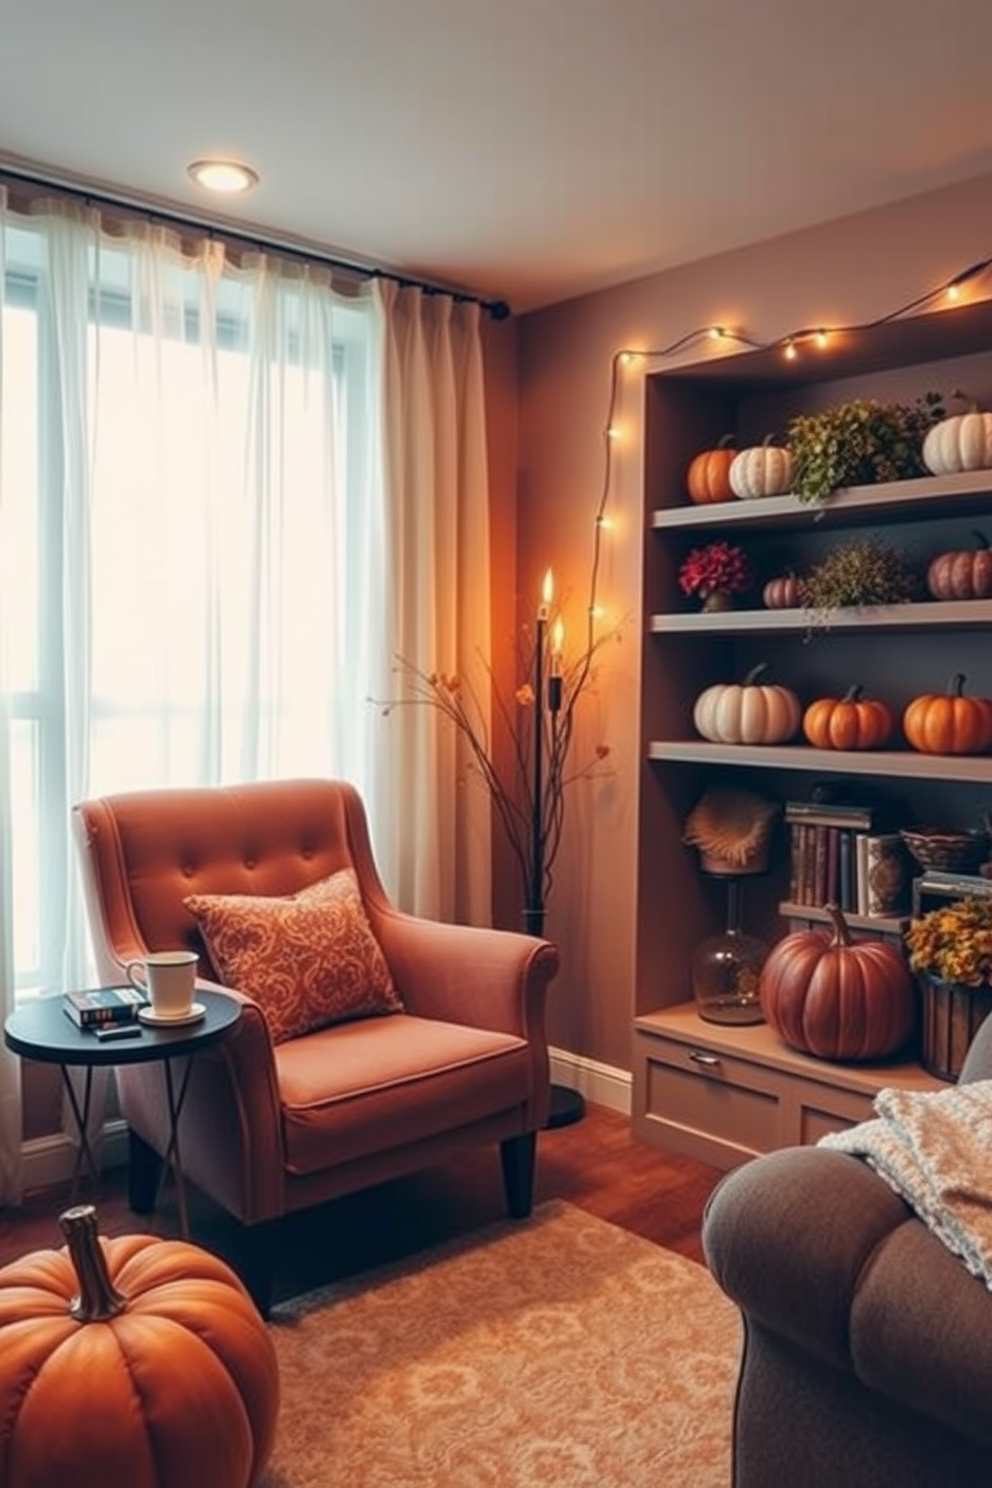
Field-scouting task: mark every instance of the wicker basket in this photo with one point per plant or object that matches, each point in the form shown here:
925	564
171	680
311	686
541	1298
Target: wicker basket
946	851
952	1016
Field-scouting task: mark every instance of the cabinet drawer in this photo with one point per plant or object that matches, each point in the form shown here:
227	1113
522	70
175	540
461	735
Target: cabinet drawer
708	1104
696	1099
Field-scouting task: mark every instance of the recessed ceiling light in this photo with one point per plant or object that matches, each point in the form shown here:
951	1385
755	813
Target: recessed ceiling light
222	175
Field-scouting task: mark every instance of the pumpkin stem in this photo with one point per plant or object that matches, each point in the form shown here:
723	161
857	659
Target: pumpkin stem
725	441
955	686
755	672
841	935
853	693
98	1298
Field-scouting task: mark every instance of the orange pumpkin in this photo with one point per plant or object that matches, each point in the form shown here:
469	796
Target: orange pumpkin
850	722
708	476
838	998
132	1361
949	723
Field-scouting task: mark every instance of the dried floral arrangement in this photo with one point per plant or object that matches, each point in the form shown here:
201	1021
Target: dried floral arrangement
719	566
860	443
954	942
864	571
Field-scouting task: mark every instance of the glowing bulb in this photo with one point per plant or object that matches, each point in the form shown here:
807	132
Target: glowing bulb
228	176
716	333
790	352
821	339
626	357
953	292
613	432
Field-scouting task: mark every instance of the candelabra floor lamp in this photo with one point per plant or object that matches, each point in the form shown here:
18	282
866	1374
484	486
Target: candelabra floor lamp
566	1105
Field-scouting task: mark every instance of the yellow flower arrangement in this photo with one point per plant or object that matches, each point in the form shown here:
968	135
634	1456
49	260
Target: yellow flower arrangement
954	942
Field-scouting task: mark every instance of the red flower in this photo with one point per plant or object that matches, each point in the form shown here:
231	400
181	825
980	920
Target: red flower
719	565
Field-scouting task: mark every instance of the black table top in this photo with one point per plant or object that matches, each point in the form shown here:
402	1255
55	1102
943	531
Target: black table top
41	1030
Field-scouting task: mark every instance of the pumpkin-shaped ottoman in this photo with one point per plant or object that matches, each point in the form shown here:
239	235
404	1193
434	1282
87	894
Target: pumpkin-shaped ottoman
131	1363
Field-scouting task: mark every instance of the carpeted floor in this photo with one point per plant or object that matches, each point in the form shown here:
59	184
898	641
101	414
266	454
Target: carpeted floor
563	1352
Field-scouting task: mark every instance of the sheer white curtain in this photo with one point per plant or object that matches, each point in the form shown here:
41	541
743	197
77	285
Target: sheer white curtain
434	840
10	1084
190	545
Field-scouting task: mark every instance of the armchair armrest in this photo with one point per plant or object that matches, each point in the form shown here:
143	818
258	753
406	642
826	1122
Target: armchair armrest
486	978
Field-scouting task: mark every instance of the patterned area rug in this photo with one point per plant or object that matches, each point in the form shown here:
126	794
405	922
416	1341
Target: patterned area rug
563	1352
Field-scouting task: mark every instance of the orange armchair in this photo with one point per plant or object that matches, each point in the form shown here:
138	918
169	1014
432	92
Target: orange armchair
270	1128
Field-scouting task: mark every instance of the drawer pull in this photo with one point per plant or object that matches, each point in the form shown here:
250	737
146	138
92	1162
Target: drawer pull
698	1057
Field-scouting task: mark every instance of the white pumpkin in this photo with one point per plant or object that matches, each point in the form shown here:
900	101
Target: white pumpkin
762	470
961	442
752	712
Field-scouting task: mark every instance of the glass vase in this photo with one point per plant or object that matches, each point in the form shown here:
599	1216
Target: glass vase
726	969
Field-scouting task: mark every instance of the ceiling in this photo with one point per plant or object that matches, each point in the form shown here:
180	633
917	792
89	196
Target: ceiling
525	150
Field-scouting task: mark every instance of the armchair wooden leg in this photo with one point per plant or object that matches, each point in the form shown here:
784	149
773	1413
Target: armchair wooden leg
144	1168
256	1263
518	1156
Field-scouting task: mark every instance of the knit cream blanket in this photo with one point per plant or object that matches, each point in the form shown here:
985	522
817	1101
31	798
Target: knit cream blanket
935	1149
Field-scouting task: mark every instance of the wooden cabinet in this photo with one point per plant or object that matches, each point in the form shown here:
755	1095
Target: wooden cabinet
759	1094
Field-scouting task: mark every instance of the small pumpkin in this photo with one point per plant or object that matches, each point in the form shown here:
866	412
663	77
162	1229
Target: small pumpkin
762	470
949	723
708	476
836	998
965	574
132	1361
782	593
962	441
850	722
751	712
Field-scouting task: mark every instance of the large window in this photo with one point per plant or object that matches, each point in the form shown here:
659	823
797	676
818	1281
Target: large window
187	488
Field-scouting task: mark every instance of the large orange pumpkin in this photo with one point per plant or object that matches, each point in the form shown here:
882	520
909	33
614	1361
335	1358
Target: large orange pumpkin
949	723
850	722
137	1362
708	476
835	997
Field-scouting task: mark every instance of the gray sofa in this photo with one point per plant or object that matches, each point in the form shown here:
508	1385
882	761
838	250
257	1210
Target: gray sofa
868	1345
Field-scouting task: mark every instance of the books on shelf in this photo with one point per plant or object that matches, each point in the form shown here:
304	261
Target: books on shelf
836	857
95	1006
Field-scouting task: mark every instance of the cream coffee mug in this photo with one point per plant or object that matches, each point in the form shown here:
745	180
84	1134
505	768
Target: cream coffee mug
168	978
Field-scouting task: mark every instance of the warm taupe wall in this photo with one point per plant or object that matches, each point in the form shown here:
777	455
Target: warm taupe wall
843	272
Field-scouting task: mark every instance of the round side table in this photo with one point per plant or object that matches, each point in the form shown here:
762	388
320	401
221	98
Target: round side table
42	1031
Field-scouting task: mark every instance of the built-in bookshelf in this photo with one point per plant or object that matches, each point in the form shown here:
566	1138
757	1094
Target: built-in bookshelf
723	1092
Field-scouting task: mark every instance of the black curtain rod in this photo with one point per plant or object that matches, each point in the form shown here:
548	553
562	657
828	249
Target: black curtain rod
496	309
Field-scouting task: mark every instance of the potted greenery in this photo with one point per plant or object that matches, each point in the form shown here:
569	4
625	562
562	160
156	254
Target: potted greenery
854	575
859	443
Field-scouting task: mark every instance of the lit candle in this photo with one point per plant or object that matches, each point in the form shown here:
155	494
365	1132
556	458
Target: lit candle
547	595
557	641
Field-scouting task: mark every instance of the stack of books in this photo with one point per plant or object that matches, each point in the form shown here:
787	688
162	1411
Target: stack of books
95	1007
837	856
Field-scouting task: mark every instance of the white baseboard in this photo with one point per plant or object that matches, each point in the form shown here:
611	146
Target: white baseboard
600	1083
50	1160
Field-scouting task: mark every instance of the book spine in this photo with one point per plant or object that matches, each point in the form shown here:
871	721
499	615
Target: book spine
860	874
828	816
820	843
832	888
848	890
93	1017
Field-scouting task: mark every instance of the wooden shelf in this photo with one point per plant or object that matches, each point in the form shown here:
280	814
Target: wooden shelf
901	764
878	924
933	497
951	613
758	1042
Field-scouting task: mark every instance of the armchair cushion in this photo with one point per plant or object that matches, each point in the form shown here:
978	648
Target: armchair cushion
308	959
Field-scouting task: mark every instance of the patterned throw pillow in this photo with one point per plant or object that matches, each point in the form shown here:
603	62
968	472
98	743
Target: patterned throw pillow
308	959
